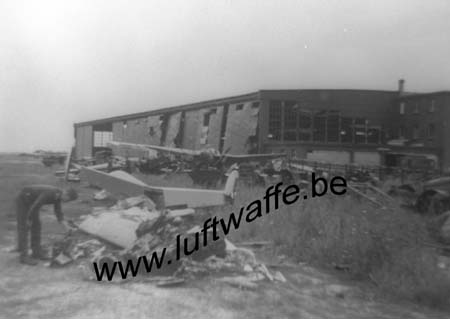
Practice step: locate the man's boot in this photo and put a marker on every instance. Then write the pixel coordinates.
(40, 255)
(27, 260)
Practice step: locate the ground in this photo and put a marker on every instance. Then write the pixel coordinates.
(42, 292)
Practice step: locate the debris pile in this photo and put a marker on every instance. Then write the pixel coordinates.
(133, 228)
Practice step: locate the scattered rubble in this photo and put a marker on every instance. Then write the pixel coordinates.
(133, 227)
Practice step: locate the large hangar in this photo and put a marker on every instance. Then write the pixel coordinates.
(338, 126)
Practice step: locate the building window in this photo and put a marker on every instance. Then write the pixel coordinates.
(373, 134)
(346, 130)
(333, 126)
(151, 131)
(432, 106)
(415, 132)
(401, 132)
(416, 108)
(255, 105)
(275, 120)
(305, 125)
(239, 107)
(101, 138)
(402, 107)
(360, 130)
(431, 131)
(206, 118)
(320, 126)
(290, 121)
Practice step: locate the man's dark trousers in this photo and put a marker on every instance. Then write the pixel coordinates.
(25, 221)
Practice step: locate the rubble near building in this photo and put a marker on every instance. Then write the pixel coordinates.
(150, 221)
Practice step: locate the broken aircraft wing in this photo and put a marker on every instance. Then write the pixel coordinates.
(122, 183)
(188, 152)
(252, 157)
(163, 149)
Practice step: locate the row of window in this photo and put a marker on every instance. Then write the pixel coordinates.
(416, 132)
(415, 107)
(289, 122)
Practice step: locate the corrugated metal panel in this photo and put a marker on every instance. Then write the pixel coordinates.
(192, 129)
(215, 120)
(83, 143)
(241, 124)
(172, 129)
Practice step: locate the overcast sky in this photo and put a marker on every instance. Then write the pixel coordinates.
(69, 61)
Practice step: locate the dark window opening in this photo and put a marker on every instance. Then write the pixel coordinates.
(290, 121)
(255, 105)
(304, 136)
(415, 132)
(402, 107)
(320, 127)
(290, 135)
(275, 120)
(239, 107)
(360, 132)
(305, 120)
(432, 106)
(206, 118)
(373, 135)
(431, 131)
(333, 126)
(346, 130)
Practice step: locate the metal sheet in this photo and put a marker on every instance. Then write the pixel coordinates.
(241, 124)
(111, 227)
(172, 129)
(120, 182)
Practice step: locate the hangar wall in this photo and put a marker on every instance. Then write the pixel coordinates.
(83, 141)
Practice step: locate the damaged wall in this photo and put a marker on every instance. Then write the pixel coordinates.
(83, 141)
(202, 128)
(242, 123)
(173, 127)
(212, 139)
(192, 126)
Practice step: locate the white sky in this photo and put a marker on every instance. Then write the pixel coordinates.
(69, 61)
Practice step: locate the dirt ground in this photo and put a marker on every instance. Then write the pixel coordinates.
(42, 292)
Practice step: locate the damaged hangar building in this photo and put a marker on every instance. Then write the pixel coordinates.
(340, 126)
